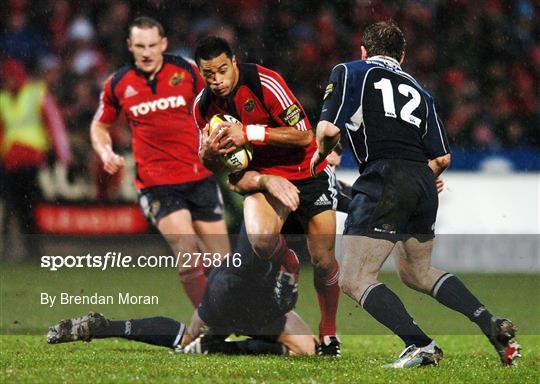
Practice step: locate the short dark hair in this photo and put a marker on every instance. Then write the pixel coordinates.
(211, 47)
(145, 22)
(384, 38)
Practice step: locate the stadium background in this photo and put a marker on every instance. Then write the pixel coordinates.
(480, 59)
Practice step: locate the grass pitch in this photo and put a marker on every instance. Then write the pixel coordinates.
(25, 356)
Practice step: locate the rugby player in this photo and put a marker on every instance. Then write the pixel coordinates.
(401, 147)
(274, 122)
(255, 299)
(176, 192)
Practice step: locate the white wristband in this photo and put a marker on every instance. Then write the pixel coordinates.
(256, 132)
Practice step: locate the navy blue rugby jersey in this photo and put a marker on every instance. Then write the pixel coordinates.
(384, 111)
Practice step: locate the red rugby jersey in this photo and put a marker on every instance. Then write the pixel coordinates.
(262, 97)
(165, 139)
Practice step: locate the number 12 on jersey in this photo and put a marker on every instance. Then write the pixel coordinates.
(385, 86)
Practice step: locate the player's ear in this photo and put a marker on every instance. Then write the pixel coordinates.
(164, 44)
(233, 60)
(129, 44)
(402, 58)
(364, 52)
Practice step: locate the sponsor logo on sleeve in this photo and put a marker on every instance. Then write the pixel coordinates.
(249, 105)
(176, 79)
(328, 91)
(292, 115)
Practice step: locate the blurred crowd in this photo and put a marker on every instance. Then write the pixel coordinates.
(480, 58)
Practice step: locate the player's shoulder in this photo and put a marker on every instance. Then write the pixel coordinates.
(267, 72)
(114, 80)
(348, 68)
(352, 65)
(120, 73)
(179, 62)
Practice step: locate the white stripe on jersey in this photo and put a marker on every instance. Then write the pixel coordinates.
(344, 89)
(278, 91)
(199, 129)
(276, 94)
(440, 130)
(361, 103)
(195, 102)
(331, 186)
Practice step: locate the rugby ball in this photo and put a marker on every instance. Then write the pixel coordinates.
(238, 159)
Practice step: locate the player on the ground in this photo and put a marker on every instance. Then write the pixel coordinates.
(254, 299)
(401, 146)
(177, 194)
(274, 122)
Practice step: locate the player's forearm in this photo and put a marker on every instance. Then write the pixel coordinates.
(250, 181)
(288, 137)
(101, 138)
(327, 137)
(439, 164)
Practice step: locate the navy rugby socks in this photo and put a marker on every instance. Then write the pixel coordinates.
(387, 309)
(452, 293)
(161, 331)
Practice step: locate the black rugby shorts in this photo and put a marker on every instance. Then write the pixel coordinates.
(393, 199)
(202, 198)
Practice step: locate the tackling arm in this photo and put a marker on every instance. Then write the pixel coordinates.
(277, 186)
(439, 164)
(328, 136)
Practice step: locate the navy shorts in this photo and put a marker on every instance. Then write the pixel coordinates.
(202, 198)
(393, 199)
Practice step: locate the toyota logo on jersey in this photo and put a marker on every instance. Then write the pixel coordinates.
(161, 104)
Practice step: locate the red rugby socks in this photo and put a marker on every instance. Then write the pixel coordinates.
(327, 287)
(194, 282)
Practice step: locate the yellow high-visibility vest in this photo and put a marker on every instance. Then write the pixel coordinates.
(22, 119)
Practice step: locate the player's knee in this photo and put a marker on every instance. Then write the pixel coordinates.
(325, 262)
(264, 245)
(355, 285)
(348, 285)
(416, 280)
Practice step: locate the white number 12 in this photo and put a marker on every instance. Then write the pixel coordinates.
(389, 105)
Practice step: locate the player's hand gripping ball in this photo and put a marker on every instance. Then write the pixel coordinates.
(238, 159)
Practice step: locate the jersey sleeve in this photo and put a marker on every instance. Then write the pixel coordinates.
(434, 139)
(333, 109)
(199, 82)
(108, 109)
(199, 119)
(281, 102)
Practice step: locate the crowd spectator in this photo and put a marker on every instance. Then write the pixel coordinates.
(481, 58)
